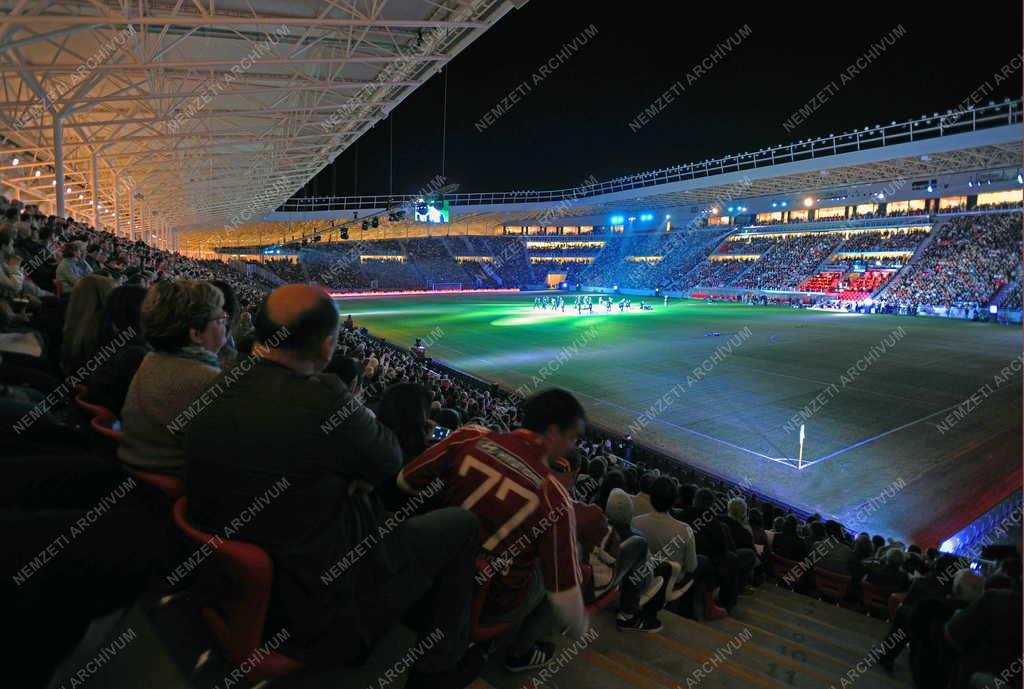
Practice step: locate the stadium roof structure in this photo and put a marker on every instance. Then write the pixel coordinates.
(202, 111)
(933, 156)
(966, 140)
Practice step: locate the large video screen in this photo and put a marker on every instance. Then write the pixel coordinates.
(432, 211)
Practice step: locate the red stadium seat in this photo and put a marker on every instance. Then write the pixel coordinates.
(104, 425)
(895, 601)
(875, 599)
(600, 602)
(479, 631)
(240, 630)
(482, 632)
(171, 486)
(831, 585)
(788, 571)
(92, 410)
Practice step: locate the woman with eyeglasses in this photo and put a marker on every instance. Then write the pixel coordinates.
(186, 325)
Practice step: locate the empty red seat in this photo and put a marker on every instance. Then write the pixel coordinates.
(831, 585)
(239, 629)
(823, 282)
(876, 599)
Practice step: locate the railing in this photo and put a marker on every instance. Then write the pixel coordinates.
(929, 127)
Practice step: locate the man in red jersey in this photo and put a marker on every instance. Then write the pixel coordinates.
(527, 524)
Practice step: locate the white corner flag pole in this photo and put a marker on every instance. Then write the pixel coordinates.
(800, 459)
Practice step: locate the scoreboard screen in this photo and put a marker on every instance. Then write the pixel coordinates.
(431, 211)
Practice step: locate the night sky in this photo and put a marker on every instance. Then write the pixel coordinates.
(575, 122)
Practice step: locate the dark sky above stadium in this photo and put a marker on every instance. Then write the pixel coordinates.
(574, 122)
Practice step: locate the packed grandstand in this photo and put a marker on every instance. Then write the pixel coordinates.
(969, 260)
(214, 479)
(71, 293)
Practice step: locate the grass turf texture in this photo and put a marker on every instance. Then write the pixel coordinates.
(881, 453)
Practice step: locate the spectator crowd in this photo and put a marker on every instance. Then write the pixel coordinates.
(207, 387)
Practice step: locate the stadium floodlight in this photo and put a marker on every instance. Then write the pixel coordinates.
(714, 210)
(1020, 179)
(808, 202)
(669, 217)
(949, 545)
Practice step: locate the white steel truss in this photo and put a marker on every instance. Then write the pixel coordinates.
(206, 113)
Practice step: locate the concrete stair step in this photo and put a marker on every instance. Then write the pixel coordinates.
(794, 668)
(820, 652)
(823, 625)
(797, 629)
(853, 620)
(582, 664)
(676, 658)
(827, 645)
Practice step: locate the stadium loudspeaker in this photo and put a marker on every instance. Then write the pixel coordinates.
(121, 650)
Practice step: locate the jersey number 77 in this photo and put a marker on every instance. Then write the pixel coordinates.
(501, 487)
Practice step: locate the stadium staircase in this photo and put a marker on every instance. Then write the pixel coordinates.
(488, 269)
(997, 300)
(918, 253)
(258, 270)
(775, 639)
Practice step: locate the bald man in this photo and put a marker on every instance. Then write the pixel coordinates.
(282, 455)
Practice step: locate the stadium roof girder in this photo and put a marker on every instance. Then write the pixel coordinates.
(115, 84)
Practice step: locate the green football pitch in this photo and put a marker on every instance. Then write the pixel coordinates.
(912, 425)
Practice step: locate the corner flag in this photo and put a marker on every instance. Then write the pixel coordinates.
(800, 460)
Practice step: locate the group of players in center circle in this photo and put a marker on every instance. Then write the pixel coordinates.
(586, 303)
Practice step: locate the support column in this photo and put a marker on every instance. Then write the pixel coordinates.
(117, 208)
(131, 214)
(95, 193)
(58, 164)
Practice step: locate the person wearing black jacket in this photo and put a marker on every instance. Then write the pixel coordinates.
(745, 554)
(285, 457)
(713, 542)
